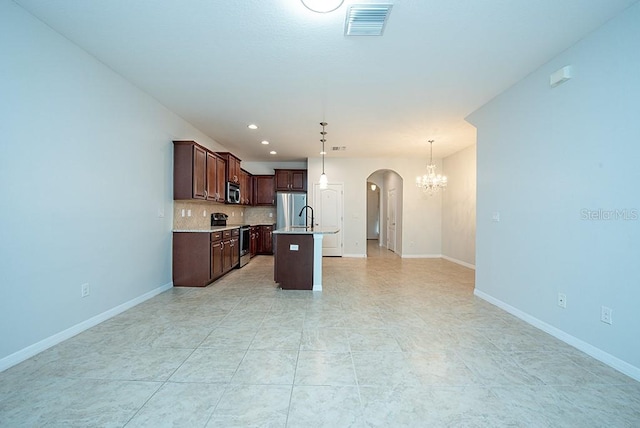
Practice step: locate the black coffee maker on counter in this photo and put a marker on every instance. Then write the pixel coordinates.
(219, 219)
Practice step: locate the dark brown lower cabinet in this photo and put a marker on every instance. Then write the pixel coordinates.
(217, 270)
(191, 259)
(200, 258)
(293, 268)
(265, 241)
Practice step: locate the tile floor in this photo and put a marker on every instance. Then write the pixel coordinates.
(388, 343)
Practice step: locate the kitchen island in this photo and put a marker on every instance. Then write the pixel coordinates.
(298, 257)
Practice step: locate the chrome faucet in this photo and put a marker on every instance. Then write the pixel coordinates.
(305, 219)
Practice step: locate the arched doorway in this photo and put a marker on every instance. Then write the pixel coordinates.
(384, 213)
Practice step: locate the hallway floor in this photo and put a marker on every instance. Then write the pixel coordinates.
(388, 343)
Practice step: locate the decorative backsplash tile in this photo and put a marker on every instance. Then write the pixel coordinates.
(260, 215)
(200, 214)
(200, 217)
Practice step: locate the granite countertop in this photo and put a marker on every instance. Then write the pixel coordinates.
(302, 230)
(219, 228)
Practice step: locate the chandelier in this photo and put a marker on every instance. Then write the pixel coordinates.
(324, 181)
(431, 182)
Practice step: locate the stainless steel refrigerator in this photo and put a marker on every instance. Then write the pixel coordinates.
(288, 206)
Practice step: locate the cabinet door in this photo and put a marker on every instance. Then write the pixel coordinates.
(236, 170)
(221, 172)
(264, 193)
(212, 171)
(191, 259)
(217, 268)
(253, 243)
(248, 192)
(235, 252)
(283, 183)
(266, 239)
(199, 173)
(226, 255)
(299, 180)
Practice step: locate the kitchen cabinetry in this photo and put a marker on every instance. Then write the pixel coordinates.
(197, 172)
(221, 177)
(200, 257)
(293, 264)
(246, 188)
(265, 240)
(264, 194)
(192, 259)
(189, 170)
(230, 250)
(217, 269)
(291, 180)
(254, 235)
(233, 166)
(215, 178)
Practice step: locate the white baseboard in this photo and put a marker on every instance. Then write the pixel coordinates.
(357, 256)
(459, 262)
(36, 348)
(597, 353)
(421, 256)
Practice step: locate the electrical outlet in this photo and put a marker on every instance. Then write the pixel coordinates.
(182, 213)
(84, 290)
(188, 213)
(562, 300)
(204, 213)
(606, 315)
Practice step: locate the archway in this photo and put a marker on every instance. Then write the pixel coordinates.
(384, 213)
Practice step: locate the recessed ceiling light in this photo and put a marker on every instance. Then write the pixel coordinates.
(252, 126)
(322, 6)
(273, 152)
(323, 153)
(265, 142)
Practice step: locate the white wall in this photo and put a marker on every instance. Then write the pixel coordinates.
(85, 169)
(459, 207)
(549, 159)
(421, 214)
(267, 168)
(373, 212)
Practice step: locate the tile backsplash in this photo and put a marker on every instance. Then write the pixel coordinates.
(201, 214)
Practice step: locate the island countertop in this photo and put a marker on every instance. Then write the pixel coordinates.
(301, 230)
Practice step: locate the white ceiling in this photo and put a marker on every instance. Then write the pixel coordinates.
(224, 64)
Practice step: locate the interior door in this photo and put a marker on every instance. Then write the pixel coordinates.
(328, 213)
(391, 220)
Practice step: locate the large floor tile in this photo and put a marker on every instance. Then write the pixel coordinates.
(325, 406)
(188, 405)
(252, 406)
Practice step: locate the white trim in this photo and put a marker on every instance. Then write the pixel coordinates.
(460, 262)
(597, 353)
(36, 348)
(421, 256)
(357, 256)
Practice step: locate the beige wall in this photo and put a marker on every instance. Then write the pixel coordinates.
(459, 207)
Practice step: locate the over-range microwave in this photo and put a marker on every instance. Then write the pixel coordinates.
(233, 193)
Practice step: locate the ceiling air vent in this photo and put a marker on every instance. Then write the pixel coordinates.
(366, 19)
(338, 148)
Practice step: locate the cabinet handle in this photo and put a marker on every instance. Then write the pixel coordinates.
(205, 194)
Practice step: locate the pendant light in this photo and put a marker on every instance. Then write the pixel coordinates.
(324, 181)
(431, 182)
